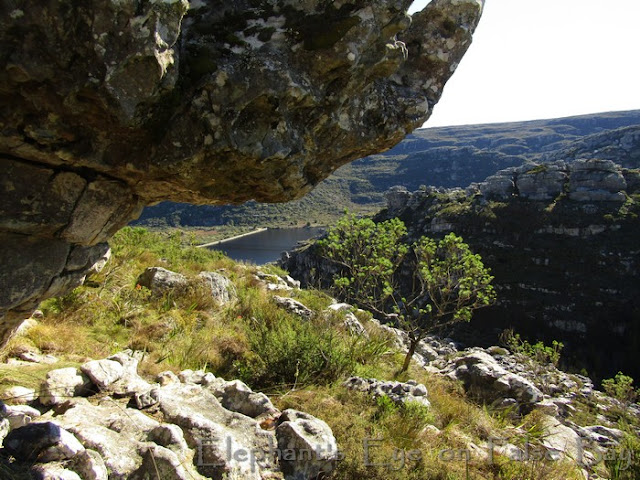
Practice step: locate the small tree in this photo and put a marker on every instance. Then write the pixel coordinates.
(367, 254)
(450, 282)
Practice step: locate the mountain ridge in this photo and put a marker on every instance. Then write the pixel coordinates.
(438, 156)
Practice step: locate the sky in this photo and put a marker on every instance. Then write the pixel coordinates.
(545, 59)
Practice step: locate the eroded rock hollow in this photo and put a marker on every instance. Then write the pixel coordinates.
(112, 105)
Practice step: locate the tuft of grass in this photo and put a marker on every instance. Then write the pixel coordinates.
(382, 441)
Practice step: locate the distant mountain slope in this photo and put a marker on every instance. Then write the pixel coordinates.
(445, 157)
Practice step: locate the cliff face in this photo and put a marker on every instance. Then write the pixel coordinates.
(109, 106)
(562, 242)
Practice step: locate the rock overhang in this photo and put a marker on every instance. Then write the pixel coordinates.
(110, 106)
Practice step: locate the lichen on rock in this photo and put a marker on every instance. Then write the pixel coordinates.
(110, 106)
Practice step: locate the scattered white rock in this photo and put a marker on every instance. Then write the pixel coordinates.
(18, 395)
(399, 392)
(293, 306)
(300, 432)
(36, 357)
(62, 384)
(103, 372)
(20, 415)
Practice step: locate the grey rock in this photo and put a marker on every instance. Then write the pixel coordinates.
(18, 395)
(153, 106)
(20, 415)
(221, 287)
(147, 399)
(52, 471)
(561, 441)
(309, 441)
(62, 384)
(398, 392)
(291, 282)
(351, 322)
(293, 306)
(238, 397)
(161, 281)
(103, 372)
(604, 436)
(90, 466)
(160, 462)
(171, 437)
(165, 378)
(485, 377)
(45, 442)
(213, 431)
(36, 357)
(26, 325)
(541, 182)
(501, 185)
(397, 198)
(189, 376)
(594, 180)
(5, 428)
(549, 407)
(130, 382)
(111, 429)
(354, 326)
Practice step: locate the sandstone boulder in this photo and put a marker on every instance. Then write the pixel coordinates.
(18, 395)
(62, 384)
(161, 281)
(222, 290)
(307, 446)
(44, 442)
(293, 306)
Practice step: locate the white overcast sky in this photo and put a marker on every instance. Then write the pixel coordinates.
(533, 59)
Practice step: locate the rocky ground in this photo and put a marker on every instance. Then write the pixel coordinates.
(103, 420)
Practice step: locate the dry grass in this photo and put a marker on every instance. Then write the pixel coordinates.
(190, 331)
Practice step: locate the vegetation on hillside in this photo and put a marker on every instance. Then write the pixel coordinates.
(448, 282)
(299, 363)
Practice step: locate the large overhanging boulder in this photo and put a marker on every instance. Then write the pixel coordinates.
(112, 105)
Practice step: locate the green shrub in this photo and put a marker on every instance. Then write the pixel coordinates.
(620, 387)
(623, 462)
(538, 351)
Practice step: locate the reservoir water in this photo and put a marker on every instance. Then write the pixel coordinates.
(266, 246)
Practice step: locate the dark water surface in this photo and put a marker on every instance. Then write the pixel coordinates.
(267, 246)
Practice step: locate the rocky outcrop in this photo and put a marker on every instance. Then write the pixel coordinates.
(111, 106)
(558, 238)
(560, 241)
(481, 374)
(398, 392)
(195, 426)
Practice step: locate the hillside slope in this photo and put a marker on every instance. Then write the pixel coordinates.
(443, 157)
(475, 413)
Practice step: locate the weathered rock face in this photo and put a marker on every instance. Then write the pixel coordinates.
(195, 426)
(111, 106)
